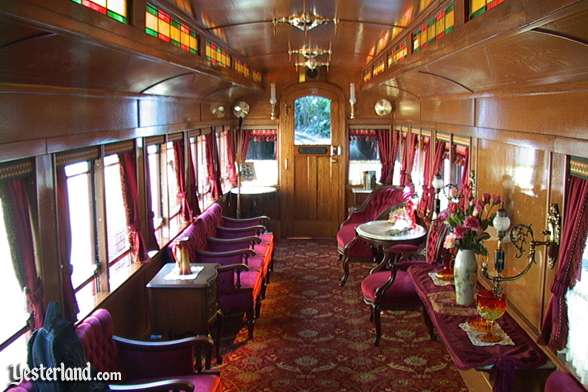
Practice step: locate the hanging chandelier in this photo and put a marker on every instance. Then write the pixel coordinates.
(304, 21)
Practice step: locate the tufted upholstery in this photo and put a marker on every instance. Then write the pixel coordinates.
(400, 295)
(559, 381)
(95, 333)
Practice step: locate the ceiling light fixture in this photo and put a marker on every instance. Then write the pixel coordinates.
(304, 21)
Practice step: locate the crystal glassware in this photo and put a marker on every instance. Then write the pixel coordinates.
(491, 307)
(446, 273)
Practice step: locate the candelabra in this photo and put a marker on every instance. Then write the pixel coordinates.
(273, 100)
(437, 185)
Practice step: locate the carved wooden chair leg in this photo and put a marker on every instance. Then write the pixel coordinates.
(219, 336)
(377, 324)
(345, 276)
(257, 308)
(250, 322)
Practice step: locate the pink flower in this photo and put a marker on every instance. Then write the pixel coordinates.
(459, 232)
(486, 198)
(453, 192)
(443, 215)
(472, 222)
(497, 199)
(449, 242)
(452, 208)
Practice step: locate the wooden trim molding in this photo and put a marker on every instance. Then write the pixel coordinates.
(69, 157)
(579, 167)
(115, 148)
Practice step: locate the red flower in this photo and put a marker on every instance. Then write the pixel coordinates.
(459, 232)
(497, 199)
(471, 223)
(452, 208)
(486, 198)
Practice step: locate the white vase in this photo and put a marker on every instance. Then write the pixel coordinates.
(465, 277)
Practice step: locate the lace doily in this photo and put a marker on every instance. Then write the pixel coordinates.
(475, 336)
(439, 282)
(443, 302)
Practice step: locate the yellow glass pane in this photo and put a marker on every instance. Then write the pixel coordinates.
(163, 28)
(185, 38)
(431, 31)
(175, 33)
(101, 3)
(440, 27)
(423, 38)
(193, 43)
(118, 6)
(151, 21)
(449, 19)
(476, 5)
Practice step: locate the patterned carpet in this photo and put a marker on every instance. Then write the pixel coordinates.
(316, 336)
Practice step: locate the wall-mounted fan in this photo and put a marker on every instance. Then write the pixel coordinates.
(241, 109)
(383, 107)
(218, 111)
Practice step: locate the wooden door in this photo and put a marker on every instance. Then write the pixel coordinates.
(312, 168)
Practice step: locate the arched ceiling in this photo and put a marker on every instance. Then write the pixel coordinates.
(246, 26)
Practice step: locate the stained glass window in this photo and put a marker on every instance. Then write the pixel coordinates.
(256, 76)
(479, 7)
(416, 40)
(431, 30)
(116, 9)
(423, 36)
(440, 24)
(400, 52)
(169, 28)
(449, 18)
(367, 75)
(242, 68)
(379, 68)
(216, 55)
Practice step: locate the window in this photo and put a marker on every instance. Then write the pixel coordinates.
(312, 119)
(119, 255)
(576, 351)
(80, 190)
(363, 156)
(116, 9)
(173, 204)
(13, 329)
(262, 154)
(446, 174)
(169, 28)
(417, 171)
(154, 165)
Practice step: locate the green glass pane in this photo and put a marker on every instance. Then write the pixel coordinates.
(151, 32)
(152, 10)
(193, 51)
(77, 1)
(312, 119)
(117, 17)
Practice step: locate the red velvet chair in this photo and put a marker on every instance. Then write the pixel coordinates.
(389, 287)
(559, 381)
(145, 366)
(351, 248)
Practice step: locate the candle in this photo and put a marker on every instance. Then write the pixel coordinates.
(352, 92)
(273, 99)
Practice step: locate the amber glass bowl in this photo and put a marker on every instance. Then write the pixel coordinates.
(491, 307)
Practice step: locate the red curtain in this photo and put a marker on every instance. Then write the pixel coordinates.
(571, 247)
(427, 178)
(128, 169)
(185, 208)
(16, 208)
(231, 157)
(408, 156)
(192, 189)
(212, 162)
(386, 157)
(151, 240)
(70, 304)
(243, 139)
(464, 181)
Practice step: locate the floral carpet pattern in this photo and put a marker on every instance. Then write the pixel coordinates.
(316, 336)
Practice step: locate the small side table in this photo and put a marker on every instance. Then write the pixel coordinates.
(251, 197)
(180, 308)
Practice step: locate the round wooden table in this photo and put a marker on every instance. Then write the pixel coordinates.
(380, 234)
(251, 197)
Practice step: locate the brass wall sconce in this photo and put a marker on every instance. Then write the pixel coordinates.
(273, 100)
(520, 235)
(352, 100)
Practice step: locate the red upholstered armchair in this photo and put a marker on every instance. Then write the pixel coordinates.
(147, 362)
(559, 381)
(354, 249)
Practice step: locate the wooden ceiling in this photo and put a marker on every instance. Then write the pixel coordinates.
(246, 26)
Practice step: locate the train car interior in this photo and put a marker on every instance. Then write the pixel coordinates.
(294, 195)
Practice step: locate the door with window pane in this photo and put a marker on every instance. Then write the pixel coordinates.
(312, 167)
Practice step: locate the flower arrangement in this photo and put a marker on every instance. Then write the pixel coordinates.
(468, 221)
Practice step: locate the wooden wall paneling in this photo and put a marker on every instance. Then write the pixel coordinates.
(61, 115)
(49, 262)
(554, 113)
(154, 111)
(520, 175)
(18, 150)
(458, 111)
